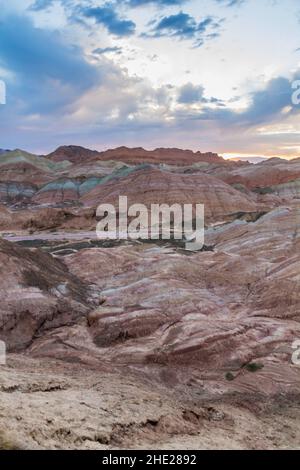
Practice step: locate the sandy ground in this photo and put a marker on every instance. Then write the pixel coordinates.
(53, 405)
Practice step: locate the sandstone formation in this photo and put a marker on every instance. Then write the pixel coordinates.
(274, 176)
(212, 312)
(120, 343)
(71, 153)
(36, 292)
(155, 186)
(134, 156)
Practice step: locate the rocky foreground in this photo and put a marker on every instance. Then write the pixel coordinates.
(143, 344)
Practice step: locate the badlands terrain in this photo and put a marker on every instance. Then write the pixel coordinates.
(139, 344)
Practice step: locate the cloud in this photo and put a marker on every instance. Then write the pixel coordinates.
(46, 73)
(39, 5)
(107, 16)
(184, 26)
(231, 3)
(107, 50)
(55, 96)
(137, 3)
(181, 25)
(169, 3)
(124, 110)
(269, 103)
(190, 93)
(265, 106)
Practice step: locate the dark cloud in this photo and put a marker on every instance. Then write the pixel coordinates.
(39, 5)
(184, 26)
(268, 103)
(105, 15)
(181, 25)
(194, 94)
(108, 17)
(43, 4)
(137, 3)
(231, 3)
(105, 50)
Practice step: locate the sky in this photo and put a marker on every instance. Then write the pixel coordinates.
(209, 75)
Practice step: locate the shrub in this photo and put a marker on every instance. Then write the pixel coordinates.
(254, 366)
(229, 376)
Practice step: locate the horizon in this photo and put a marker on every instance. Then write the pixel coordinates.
(151, 73)
(227, 156)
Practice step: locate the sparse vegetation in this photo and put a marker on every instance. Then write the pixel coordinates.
(254, 366)
(265, 190)
(6, 443)
(229, 376)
